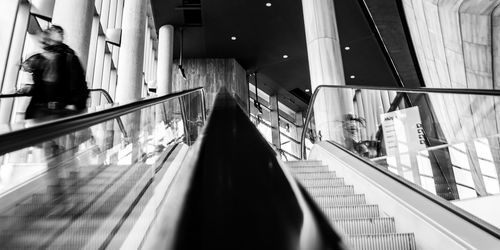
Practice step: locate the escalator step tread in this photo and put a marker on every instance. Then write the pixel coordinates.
(329, 182)
(314, 175)
(324, 191)
(339, 200)
(366, 225)
(303, 163)
(352, 211)
(398, 241)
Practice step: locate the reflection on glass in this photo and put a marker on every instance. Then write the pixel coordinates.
(84, 180)
(448, 144)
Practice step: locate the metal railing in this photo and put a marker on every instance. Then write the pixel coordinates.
(487, 92)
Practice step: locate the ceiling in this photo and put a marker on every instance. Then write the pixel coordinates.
(264, 34)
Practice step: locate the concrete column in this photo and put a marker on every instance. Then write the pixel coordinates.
(14, 59)
(165, 58)
(8, 14)
(325, 67)
(275, 120)
(75, 16)
(131, 51)
(323, 45)
(130, 66)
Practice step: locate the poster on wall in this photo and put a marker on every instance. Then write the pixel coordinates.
(403, 131)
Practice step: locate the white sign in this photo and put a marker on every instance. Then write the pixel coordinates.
(403, 131)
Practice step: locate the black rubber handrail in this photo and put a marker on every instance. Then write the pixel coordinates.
(233, 193)
(34, 135)
(486, 92)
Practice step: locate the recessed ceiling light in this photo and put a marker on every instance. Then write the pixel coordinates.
(347, 48)
(269, 4)
(233, 38)
(352, 76)
(285, 56)
(308, 90)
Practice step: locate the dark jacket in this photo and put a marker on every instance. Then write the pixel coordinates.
(58, 79)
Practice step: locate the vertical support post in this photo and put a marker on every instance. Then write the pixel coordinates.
(165, 60)
(130, 66)
(299, 122)
(275, 120)
(325, 67)
(11, 74)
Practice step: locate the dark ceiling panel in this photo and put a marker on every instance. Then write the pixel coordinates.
(264, 34)
(390, 21)
(365, 59)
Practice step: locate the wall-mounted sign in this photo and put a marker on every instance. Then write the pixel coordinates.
(403, 131)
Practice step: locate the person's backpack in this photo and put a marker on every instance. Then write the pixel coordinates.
(77, 86)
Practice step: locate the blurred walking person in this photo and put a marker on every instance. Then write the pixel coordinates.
(59, 90)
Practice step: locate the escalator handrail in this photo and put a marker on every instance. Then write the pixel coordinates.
(37, 134)
(486, 92)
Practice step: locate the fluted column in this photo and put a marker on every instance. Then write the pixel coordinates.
(325, 67)
(131, 51)
(323, 45)
(75, 16)
(165, 60)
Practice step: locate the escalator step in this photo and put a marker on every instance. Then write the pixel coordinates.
(340, 200)
(309, 169)
(366, 226)
(322, 191)
(314, 175)
(383, 241)
(303, 163)
(327, 182)
(351, 212)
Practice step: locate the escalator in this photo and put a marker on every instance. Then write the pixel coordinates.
(174, 182)
(348, 211)
(418, 154)
(82, 182)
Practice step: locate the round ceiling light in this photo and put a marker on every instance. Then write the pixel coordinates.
(285, 56)
(269, 4)
(233, 38)
(347, 48)
(352, 76)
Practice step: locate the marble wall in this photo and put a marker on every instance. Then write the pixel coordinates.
(212, 73)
